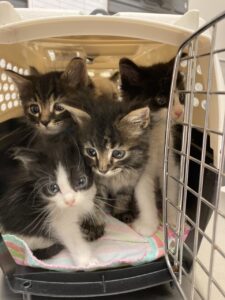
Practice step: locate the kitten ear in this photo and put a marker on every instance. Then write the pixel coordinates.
(75, 74)
(136, 120)
(129, 72)
(25, 155)
(33, 71)
(115, 77)
(23, 84)
(80, 116)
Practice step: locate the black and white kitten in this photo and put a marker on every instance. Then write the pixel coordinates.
(47, 196)
(151, 85)
(114, 138)
(41, 95)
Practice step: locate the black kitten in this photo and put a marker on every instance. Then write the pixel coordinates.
(151, 85)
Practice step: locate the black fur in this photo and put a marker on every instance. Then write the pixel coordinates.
(149, 84)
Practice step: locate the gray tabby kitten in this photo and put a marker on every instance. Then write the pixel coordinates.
(114, 139)
(41, 95)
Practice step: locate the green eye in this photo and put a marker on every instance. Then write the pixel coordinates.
(118, 154)
(58, 108)
(34, 109)
(53, 188)
(91, 152)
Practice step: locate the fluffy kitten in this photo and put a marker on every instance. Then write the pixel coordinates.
(47, 196)
(114, 139)
(41, 95)
(152, 85)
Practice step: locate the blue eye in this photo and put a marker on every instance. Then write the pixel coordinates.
(81, 182)
(34, 109)
(58, 107)
(118, 154)
(91, 152)
(53, 188)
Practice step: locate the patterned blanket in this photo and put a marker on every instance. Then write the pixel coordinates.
(119, 246)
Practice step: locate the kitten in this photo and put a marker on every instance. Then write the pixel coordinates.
(41, 95)
(149, 84)
(114, 139)
(152, 85)
(48, 195)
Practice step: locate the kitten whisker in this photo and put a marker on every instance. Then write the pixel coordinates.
(108, 204)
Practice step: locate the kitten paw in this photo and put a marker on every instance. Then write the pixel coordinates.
(83, 259)
(145, 229)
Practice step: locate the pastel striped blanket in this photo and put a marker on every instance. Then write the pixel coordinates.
(119, 246)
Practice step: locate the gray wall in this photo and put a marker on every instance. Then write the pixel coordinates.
(18, 3)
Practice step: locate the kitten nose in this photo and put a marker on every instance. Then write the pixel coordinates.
(69, 199)
(45, 122)
(178, 113)
(103, 171)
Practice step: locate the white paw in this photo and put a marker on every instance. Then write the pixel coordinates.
(145, 228)
(82, 259)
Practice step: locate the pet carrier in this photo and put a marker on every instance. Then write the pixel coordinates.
(47, 41)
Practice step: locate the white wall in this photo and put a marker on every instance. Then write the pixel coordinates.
(209, 9)
(86, 6)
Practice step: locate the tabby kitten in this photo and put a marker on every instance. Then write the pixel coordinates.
(152, 85)
(114, 138)
(41, 95)
(46, 197)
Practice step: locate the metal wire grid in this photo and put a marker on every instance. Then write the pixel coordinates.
(175, 258)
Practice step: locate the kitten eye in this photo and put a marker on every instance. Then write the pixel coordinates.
(53, 188)
(161, 100)
(34, 109)
(91, 152)
(118, 154)
(58, 108)
(81, 182)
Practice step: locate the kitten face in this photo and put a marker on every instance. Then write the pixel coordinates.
(106, 159)
(41, 95)
(47, 115)
(63, 192)
(62, 180)
(150, 84)
(113, 136)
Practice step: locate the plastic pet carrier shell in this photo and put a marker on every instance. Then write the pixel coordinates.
(47, 40)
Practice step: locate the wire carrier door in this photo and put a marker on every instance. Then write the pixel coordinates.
(197, 263)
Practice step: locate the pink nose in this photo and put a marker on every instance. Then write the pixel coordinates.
(178, 112)
(69, 199)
